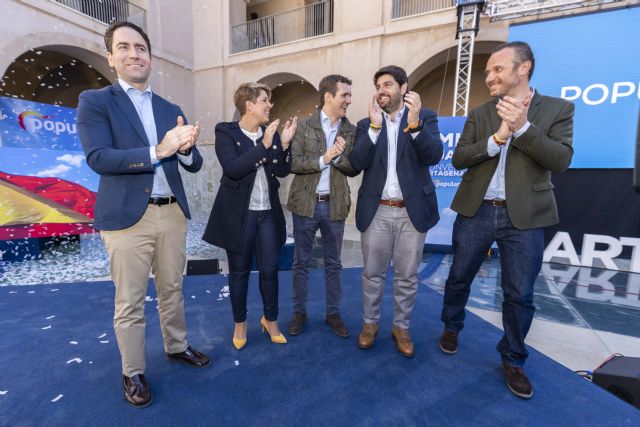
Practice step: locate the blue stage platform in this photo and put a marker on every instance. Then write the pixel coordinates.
(60, 367)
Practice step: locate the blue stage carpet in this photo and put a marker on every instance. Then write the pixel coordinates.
(60, 367)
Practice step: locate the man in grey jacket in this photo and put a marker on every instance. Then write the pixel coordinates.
(319, 197)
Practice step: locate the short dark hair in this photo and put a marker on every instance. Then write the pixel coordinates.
(108, 35)
(249, 92)
(399, 74)
(523, 53)
(330, 84)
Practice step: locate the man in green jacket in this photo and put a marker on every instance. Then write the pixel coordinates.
(509, 146)
(319, 197)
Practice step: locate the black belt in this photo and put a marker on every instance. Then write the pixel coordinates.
(159, 201)
(495, 202)
(323, 197)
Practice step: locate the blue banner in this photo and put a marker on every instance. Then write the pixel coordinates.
(26, 124)
(446, 179)
(592, 60)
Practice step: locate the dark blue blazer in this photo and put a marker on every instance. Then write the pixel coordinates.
(240, 160)
(413, 160)
(117, 148)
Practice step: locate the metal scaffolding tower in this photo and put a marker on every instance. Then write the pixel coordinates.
(497, 10)
(466, 31)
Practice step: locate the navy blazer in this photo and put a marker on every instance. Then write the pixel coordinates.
(117, 148)
(414, 156)
(240, 160)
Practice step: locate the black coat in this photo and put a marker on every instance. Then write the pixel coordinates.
(240, 160)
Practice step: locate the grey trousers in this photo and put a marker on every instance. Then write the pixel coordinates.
(391, 236)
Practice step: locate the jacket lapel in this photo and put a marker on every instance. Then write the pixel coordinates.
(125, 104)
(159, 119)
(402, 137)
(534, 108)
(383, 145)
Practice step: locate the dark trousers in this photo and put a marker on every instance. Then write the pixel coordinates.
(261, 237)
(520, 260)
(304, 232)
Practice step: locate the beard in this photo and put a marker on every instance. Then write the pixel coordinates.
(393, 104)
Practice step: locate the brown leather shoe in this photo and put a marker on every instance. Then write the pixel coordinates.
(367, 337)
(449, 342)
(297, 323)
(136, 390)
(403, 341)
(517, 381)
(337, 325)
(191, 357)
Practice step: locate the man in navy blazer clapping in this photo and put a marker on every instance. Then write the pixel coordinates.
(397, 203)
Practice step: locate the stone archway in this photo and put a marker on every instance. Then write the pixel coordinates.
(434, 79)
(55, 74)
(291, 95)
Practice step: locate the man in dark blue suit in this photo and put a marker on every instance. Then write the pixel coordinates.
(135, 141)
(397, 203)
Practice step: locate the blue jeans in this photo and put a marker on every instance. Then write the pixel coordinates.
(261, 237)
(520, 260)
(304, 232)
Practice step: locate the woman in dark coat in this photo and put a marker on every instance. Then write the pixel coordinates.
(247, 217)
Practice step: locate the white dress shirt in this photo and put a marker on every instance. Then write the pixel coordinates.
(330, 136)
(260, 192)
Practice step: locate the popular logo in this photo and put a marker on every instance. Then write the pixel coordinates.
(32, 121)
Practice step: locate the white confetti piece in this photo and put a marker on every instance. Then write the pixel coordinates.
(13, 292)
(54, 290)
(58, 397)
(50, 317)
(46, 327)
(148, 299)
(31, 292)
(102, 336)
(3, 392)
(76, 360)
(90, 362)
(104, 342)
(237, 362)
(208, 291)
(193, 297)
(73, 342)
(219, 299)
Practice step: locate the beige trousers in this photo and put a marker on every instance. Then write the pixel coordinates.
(155, 243)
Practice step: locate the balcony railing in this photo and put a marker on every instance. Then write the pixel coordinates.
(295, 24)
(108, 11)
(403, 8)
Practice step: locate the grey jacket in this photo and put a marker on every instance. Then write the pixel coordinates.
(308, 144)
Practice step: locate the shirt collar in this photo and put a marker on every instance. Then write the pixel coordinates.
(399, 115)
(126, 87)
(325, 119)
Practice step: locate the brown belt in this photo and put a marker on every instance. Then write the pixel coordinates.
(495, 202)
(392, 203)
(323, 197)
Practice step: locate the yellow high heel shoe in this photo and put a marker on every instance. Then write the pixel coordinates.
(239, 343)
(278, 339)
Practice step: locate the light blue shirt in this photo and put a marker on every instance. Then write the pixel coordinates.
(330, 136)
(496, 186)
(142, 102)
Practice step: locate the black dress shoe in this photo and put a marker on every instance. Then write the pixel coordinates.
(297, 323)
(337, 325)
(136, 390)
(517, 381)
(191, 357)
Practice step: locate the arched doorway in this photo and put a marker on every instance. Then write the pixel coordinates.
(291, 95)
(54, 75)
(435, 79)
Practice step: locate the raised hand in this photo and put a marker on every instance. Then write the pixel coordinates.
(413, 104)
(174, 139)
(184, 148)
(514, 111)
(336, 149)
(287, 133)
(267, 139)
(375, 112)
